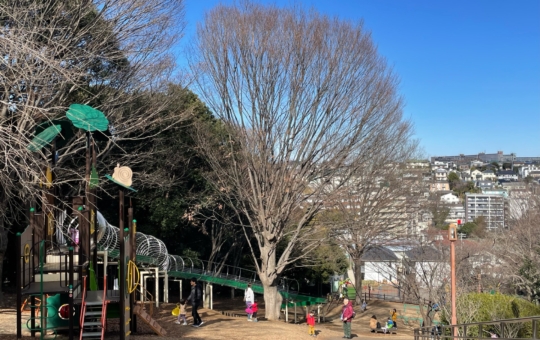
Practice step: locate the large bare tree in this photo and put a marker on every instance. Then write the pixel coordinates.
(305, 99)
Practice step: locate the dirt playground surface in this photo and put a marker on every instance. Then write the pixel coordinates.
(219, 324)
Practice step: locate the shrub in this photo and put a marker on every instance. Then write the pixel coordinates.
(491, 307)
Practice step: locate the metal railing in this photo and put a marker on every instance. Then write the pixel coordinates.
(147, 299)
(30, 266)
(233, 273)
(507, 329)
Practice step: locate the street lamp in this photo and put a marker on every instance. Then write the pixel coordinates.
(452, 237)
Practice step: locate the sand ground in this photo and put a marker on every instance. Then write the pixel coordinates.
(220, 323)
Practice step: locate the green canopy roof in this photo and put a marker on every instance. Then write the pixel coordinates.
(87, 118)
(67, 130)
(44, 138)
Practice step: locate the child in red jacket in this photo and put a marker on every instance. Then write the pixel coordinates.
(311, 323)
(254, 309)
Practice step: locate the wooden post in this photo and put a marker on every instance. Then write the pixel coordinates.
(132, 248)
(32, 316)
(122, 265)
(20, 258)
(211, 296)
(93, 210)
(71, 304)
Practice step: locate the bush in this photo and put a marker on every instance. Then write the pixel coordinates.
(491, 307)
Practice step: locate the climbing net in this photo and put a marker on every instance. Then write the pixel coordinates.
(67, 230)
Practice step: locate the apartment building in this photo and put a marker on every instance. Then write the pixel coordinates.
(490, 206)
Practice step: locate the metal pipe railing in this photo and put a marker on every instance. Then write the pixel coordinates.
(478, 330)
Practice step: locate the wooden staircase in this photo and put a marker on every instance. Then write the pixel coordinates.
(141, 312)
(93, 316)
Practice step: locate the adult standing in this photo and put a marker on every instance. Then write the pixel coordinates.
(249, 297)
(346, 316)
(195, 297)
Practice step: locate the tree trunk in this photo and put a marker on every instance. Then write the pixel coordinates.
(3, 248)
(358, 279)
(270, 280)
(2, 253)
(272, 302)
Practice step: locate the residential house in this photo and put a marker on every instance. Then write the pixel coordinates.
(429, 264)
(485, 185)
(476, 164)
(380, 264)
(496, 191)
(387, 263)
(489, 175)
(524, 171)
(507, 175)
(439, 186)
(476, 175)
(417, 164)
(449, 199)
(456, 212)
(463, 166)
(439, 165)
(514, 186)
(441, 174)
(534, 174)
(466, 177)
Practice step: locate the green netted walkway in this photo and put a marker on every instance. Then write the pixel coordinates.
(300, 300)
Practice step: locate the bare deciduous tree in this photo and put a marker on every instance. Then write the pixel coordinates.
(373, 207)
(106, 53)
(305, 100)
(518, 249)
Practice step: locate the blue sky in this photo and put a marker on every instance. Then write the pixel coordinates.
(469, 70)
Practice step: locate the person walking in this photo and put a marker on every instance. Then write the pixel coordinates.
(346, 316)
(249, 298)
(195, 298)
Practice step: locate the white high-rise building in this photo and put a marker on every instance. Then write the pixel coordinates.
(490, 206)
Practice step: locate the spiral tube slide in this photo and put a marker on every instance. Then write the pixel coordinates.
(147, 245)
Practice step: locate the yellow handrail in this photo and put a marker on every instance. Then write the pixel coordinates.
(132, 268)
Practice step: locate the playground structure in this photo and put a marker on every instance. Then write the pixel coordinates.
(75, 270)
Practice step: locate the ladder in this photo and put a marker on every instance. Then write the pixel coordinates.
(93, 315)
